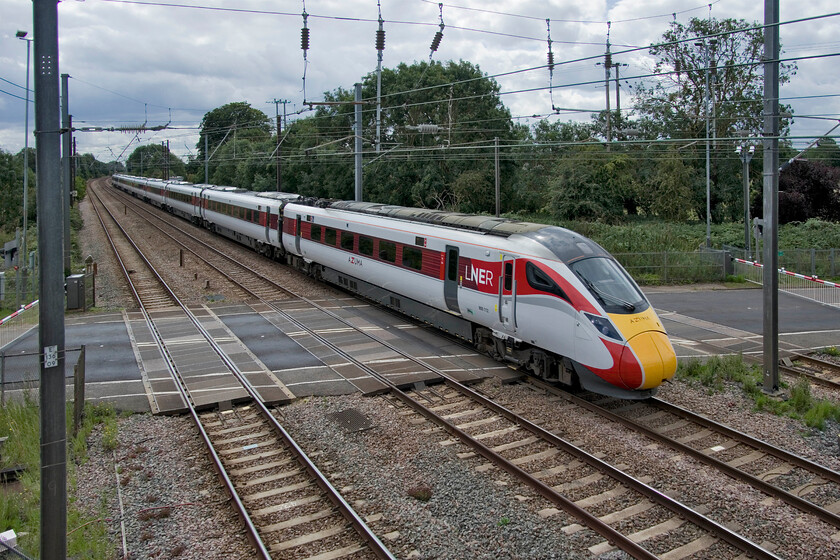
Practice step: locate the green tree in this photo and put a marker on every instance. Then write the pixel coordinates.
(11, 194)
(234, 121)
(593, 184)
(439, 122)
(673, 104)
(151, 160)
(667, 193)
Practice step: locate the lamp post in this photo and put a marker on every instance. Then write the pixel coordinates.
(746, 155)
(22, 36)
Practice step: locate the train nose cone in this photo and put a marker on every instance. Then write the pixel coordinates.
(647, 360)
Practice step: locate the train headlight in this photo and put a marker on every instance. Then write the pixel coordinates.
(604, 326)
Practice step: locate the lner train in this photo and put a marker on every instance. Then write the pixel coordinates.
(542, 297)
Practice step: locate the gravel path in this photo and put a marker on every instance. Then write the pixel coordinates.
(174, 507)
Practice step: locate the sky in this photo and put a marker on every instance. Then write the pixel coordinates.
(140, 61)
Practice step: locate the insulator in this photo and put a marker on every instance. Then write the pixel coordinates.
(380, 39)
(428, 128)
(436, 41)
(550, 60)
(304, 38)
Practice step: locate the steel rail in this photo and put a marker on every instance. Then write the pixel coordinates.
(734, 472)
(793, 370)
(375, 545)
(544, 490)
(250, 528)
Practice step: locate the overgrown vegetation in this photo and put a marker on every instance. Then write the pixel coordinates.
(20, 506)
(799, 404)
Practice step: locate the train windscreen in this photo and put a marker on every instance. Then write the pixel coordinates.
(610, 285)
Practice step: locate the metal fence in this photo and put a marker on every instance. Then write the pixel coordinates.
(18, 287)
(18, 323)
(808, 287)
(669, 267)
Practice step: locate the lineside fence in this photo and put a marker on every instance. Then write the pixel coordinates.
(669, 267)
(808, 287)
(18, 323)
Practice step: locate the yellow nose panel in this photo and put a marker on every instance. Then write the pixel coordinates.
(656, 355)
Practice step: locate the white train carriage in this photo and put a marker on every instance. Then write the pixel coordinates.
(146, 189)
(252, 219)
(183, 199)
(540, 296)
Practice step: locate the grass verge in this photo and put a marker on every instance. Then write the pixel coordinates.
(20, 507)
(799, 404)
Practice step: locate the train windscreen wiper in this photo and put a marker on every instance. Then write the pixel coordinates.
(600, 294)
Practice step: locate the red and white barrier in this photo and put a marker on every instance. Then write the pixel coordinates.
(19, 311)
(808, 287)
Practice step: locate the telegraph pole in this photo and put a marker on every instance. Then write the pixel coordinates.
(51, 283)
(771, 196)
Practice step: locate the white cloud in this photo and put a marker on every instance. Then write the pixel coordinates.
(196, 60)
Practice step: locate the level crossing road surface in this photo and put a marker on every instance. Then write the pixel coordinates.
(700, 321)
(734, 319)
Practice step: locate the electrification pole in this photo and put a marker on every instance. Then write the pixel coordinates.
(771, 196)
(51, 282)
(498, 178)
(358, 143)
(66, 144)
(277, 102)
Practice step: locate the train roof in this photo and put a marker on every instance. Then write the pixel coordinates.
(565, 244)
(483, 224)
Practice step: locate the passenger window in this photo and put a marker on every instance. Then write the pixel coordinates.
(412, 257)
(366, 245)
(388, 251)
(346, 240)
(315, 233)
(329, 236)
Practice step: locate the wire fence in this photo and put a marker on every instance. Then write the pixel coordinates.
(669, 267)
(18, 323)
(17, 287)
(808, 287)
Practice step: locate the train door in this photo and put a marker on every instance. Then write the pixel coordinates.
(507, 294)
(450, 279)
(267, 222)
(297, 234)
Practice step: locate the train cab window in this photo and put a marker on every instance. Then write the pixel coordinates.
(366, 246)
(347, 240)
(388, 251)
(329, 236)
(412, 257)
(538, 279)
(315, 233)
(610, 285)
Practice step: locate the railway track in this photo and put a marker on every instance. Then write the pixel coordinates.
(288, 507)
(821, 372)
(569, 478)
(799, 482)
